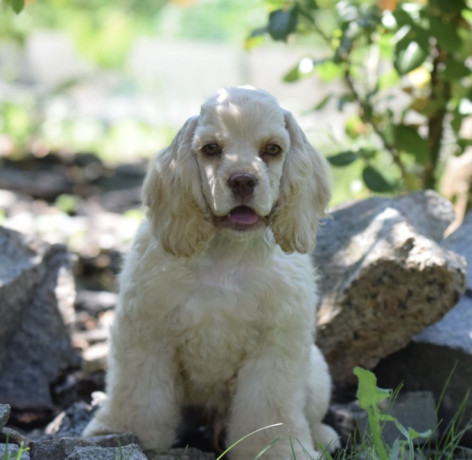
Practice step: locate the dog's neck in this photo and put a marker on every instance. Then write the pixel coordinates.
(227, 246)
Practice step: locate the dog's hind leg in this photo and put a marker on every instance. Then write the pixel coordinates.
(317, 401)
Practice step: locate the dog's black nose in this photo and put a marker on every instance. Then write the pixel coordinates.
(242, 184)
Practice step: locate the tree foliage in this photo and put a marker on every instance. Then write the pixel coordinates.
(406, 65)
(102, 31)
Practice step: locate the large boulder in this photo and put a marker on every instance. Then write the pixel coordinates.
(383, 278)
(36, 310)
(440, 357)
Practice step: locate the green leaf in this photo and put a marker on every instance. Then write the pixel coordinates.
(408, 55)
(425, 106)
(456, 121)
(343, 158)
(454, 70)
(375, 181)
(306, 67)
(446, 35)
(368, 394)
(344, 99)
(388, 79)
(408, 139)
(292, 75)
(448, 6)
(253, 41)
(328, 70)
(403, 17)
(394, 453)
(322, 104)
(282, 23)
(16, 5)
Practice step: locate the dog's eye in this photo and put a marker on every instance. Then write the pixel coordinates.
(272, 150)
(211, 149)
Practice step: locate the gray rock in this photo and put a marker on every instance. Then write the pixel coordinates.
(56, 449)
(96, 301)
(420, 365)
(443, 347)
(113, 446)
(115, 440)
(181, 454)
(454, 330)
(61, 448)
(13, 436)
(4, 414)
(11, 451)
(415, 410)
(72, 421)
(461, 242)
(36, 306)
(130, 452)
(383, 278)
(43, 184)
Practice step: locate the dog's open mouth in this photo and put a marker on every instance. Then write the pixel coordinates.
(243, 215)
(241, 218)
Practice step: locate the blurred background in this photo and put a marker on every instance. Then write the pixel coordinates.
(381, 87)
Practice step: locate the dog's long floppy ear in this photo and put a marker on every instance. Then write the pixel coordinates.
(305, 191)
(172, 194)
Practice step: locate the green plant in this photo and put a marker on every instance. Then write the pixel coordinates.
(8, 456)
(370, 398)
(404, 65)
(15, 5)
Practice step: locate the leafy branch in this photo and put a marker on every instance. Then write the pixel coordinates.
(420, 86)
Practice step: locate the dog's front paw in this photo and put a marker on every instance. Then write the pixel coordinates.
(326, 437)
(97, 428)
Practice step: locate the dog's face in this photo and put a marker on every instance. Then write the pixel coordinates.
(240, 144)
(242, 165)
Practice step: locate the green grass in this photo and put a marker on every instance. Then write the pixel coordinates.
(17, 456)
(410, 444)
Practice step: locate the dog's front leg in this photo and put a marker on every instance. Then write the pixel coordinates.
(143, 391)
(271, 390)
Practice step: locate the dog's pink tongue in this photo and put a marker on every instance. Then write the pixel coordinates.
(243, 216)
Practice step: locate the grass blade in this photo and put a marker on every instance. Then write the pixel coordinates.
(247, 436)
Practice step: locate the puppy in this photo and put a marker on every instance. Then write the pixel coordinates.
(217, 296)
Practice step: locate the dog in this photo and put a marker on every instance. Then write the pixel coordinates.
(217, 303)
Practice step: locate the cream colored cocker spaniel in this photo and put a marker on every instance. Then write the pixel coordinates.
(217, 295)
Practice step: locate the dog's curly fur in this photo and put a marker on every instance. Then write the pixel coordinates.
(217, 296)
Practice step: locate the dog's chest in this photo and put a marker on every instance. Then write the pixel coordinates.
(215, 329)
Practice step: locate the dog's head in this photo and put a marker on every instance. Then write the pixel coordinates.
(240, 166)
